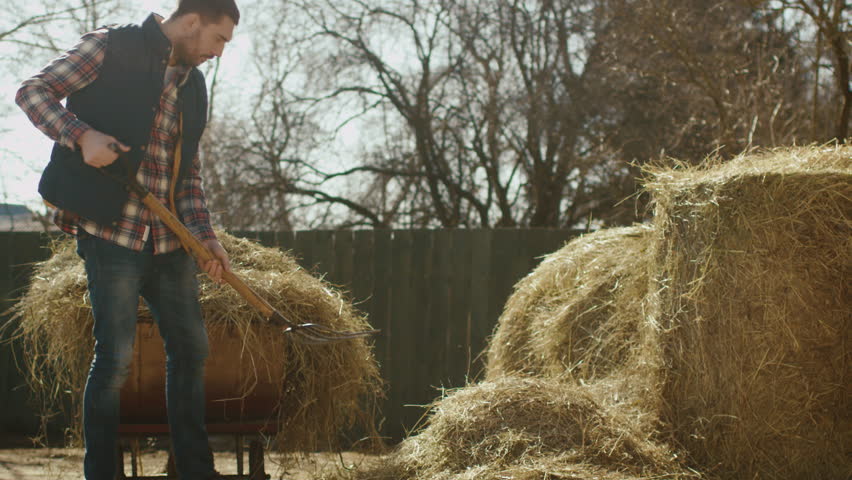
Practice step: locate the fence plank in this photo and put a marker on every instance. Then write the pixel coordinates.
(538, 244)
(506, 246)
(458, 335)
(285, 240)
(343, 259)
(440, 300)
(481, 286)
(323, 253)
(304, 249)
(363, 282)
(267, 239)
(380, 312)
(21, 250)
(424, 323)
(402, 337)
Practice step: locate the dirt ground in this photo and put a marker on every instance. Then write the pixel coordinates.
(22, 462)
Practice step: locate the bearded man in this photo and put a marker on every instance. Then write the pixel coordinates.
(136, 89)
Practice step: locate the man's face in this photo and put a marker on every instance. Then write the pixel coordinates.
(203, 41)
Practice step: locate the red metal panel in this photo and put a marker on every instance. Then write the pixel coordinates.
(230, 371)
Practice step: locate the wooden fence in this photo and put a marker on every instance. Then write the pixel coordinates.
(435, 294)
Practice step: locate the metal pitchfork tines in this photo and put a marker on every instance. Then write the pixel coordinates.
(307, 333)
(314, 333)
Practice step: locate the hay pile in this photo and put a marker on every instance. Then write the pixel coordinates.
(570, 390)
(717, 337)
(579, 317)
(753, 269)
(323, 389)
(524, 429)
(578, 313)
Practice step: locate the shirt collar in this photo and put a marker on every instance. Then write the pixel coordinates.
(161, 43)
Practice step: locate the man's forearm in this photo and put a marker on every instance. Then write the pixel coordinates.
(40, 96)
(191, 203)
(48, 115)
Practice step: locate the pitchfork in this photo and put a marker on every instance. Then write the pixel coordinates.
(308, 333)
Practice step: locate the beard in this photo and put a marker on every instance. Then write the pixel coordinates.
(185, 51)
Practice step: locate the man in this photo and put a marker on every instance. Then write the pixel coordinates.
(136, 88)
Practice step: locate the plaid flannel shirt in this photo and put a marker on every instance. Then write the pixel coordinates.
(40, 96)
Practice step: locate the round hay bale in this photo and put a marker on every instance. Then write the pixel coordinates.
(523, 428)
(754, 260)
(321, 390)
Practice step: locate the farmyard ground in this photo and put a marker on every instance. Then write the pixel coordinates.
(22, 462)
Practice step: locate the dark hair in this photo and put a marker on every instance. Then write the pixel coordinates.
(209, 10)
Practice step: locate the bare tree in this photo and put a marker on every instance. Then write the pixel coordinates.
(491, 102)
(731, 77)
(502, 113)
(16, 24)
(414, 87)
(391, 179)
(553, 49)
(43, 28)
(258, 170)
(832, 19)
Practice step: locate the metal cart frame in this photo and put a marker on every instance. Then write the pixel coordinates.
(131, 433)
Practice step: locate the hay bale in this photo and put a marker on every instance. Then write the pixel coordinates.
(579, 317)
(523, 428)
(729, 318)
(754, 260)
(578, 314)
(572, 380)
(323, 389)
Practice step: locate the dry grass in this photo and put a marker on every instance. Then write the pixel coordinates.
(323, 390)
(753, 274)
(523, 428)
(580, 318)
(718, 335)
(577, 316)
(571, 390)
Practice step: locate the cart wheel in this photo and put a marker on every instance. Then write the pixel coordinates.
(119, 463)
(256, 469)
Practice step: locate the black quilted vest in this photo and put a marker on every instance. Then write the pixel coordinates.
(122, 102)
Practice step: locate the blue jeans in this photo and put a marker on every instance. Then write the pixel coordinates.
(117, 276)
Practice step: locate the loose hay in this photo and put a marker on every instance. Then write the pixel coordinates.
(578, 314)
(572, 384)
(726, 324)
(579, 317)
(324, 389)
(753, 270)
(523, 428)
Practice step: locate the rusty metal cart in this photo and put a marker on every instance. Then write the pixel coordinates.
(143, 406)
(131, 434)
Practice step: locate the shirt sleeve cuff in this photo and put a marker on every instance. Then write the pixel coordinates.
(72, 132)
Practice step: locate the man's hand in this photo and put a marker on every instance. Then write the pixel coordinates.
(214, 268)
(96, 148)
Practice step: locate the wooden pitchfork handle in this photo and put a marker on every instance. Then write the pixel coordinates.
(202, 253)
(305, 333)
